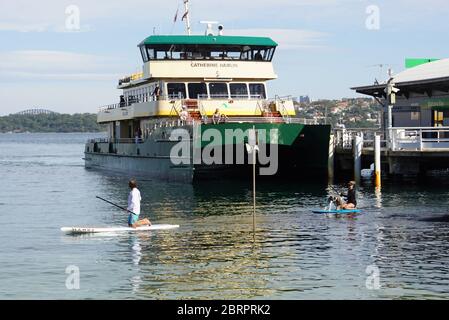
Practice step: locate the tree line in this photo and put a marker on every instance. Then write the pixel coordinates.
(55, 122)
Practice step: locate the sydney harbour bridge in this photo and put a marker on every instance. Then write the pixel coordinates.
(35, 112)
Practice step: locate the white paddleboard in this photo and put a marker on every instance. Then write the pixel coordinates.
(118, 229)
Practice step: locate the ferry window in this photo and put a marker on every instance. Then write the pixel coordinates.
(197, 55)
(247, 54)
(218, 90)
(176, 55)
(238, 90)
(176, 90)
(150, 53)
(174, 52)
(215, 54)
(160, 55)
(197, 89)
(144, 54)
(257, 90)
(270, 54)
(258, 55)
(234, 55)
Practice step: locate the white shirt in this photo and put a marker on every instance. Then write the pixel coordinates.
(134, 199)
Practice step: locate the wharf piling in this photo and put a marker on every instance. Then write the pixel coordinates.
(357, 146)
(377, 162)
(331, 160)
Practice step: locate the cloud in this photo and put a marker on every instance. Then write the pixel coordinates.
(51, 15)
(37, 27)
(57, 65)
(40, 27)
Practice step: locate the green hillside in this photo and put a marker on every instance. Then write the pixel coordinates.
(54, 122)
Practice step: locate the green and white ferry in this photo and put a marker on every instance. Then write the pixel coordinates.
(185, 79)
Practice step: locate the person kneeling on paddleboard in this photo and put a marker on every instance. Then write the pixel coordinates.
(134, 199)
(351, 201)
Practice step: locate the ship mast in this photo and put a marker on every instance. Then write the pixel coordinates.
(187, 16)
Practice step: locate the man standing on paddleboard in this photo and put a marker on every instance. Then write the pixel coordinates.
(134, 199)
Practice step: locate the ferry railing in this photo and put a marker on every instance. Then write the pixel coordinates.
(280, 105)
(229, 97)
(172, 96)
(259, 107)
(253, 120)
(148, 132)
(213, 96)
(127, 102)
(202, 111)
(272, 120)
(116, 105)
(115, 140)
(176, 108)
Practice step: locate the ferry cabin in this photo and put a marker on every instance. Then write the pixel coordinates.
(201, 74)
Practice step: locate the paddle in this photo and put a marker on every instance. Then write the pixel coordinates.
(114, 204)
(335, 190)
(337, 195)
(149, 223)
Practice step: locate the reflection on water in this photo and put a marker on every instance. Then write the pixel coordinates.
(293, 254)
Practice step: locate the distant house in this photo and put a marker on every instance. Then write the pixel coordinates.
(343, 104)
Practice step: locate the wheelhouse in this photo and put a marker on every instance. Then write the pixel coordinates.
(230, 48)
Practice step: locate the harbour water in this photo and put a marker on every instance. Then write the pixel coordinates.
(294, 254)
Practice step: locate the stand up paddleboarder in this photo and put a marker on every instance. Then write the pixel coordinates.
(351, 200)
(134, 199)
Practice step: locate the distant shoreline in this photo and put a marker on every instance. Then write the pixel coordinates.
(50, 123)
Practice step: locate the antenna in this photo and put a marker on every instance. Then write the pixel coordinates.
(381, 66)
(390, 72)
(187, 16)
(209, 31)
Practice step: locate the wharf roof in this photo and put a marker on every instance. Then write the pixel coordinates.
(423, 79)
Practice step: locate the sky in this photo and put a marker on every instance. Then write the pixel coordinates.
(67, 55)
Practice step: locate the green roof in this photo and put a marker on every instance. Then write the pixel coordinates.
(209, 40)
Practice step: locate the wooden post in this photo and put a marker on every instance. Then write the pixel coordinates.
(357, 145)
(377, 162)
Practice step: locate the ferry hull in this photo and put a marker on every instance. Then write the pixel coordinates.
(302, 152)
(138, 166)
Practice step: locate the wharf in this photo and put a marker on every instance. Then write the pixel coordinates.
(407, 151)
